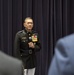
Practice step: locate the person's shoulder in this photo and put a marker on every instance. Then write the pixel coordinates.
(69, 37)
(9, 58)
(19, 32)
(66, 40)
(35, 32)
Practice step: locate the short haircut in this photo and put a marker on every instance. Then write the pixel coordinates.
(27, 18)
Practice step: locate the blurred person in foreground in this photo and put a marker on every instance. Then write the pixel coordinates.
(26, 45)
(10, 65)
(63, 60)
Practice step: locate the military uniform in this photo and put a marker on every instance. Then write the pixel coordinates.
(22, 50)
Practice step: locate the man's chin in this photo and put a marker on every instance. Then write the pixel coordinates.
(29, 29)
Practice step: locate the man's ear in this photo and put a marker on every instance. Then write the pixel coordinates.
(24, 24)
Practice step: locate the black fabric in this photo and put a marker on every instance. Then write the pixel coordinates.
(22, 49)
(53, 19)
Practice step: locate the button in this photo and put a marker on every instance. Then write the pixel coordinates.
(30, 51)
(30, 38)
(29, 34)
(21, 54)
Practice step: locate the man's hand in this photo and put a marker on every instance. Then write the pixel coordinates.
(31, 45)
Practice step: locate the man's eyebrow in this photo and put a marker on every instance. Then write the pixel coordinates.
(30, 22)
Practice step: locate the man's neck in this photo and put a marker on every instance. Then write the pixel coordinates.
(28, 30)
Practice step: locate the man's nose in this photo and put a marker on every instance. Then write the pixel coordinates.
(30, 24)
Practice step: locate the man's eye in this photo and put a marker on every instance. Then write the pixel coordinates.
(30, 23)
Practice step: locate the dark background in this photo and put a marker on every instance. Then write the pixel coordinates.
(53, 19)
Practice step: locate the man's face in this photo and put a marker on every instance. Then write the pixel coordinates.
(28, 24)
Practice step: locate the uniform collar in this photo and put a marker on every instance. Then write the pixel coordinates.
(27, 31)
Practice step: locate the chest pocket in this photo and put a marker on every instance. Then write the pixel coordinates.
(24, 39)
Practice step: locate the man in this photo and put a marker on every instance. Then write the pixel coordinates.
(63, 60)
(26, 45)
(9, 65)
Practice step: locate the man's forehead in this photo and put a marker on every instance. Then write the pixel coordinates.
(28, 20)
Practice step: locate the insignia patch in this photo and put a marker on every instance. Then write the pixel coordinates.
(34, 38)
(23, 37)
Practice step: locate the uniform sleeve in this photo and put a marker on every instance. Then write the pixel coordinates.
(17, 46)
